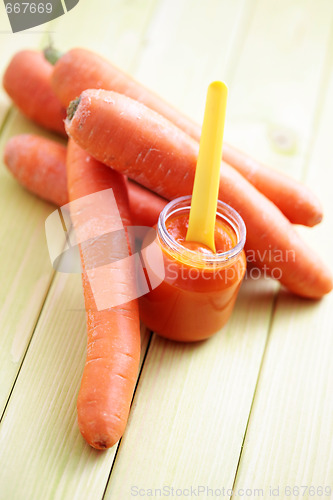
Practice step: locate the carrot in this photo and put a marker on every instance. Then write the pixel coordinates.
(81, 69)
(27, 82)
(163, 158)
(39, 164)
(113, 349)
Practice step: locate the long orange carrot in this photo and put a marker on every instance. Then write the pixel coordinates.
(81, 69)
(27, 82)
(163, 158)
(295, 200)
(39, 164)
(31, 91)
(113, 350)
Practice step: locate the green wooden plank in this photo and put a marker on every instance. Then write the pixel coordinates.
(25, 266)
(291, 427)
(114, 29)
(42, 453)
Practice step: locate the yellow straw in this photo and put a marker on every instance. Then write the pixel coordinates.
(202, 219)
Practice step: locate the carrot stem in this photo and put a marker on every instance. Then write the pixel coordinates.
(52, 55)
(73, 105)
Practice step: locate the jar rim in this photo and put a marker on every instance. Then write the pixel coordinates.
(224, 211)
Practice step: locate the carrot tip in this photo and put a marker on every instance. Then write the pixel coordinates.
(315, 220)
(100, 445)
(73, 107)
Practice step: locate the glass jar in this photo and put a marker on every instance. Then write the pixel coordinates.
(199, 289)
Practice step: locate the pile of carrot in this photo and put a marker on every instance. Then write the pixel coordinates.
(124, 137)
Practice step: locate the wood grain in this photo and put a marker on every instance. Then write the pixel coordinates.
(25, 267)
(41, 422)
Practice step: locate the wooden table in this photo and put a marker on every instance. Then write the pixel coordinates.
(250, 410)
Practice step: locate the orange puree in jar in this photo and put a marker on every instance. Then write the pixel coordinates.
(200, 287)
(225, 237)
